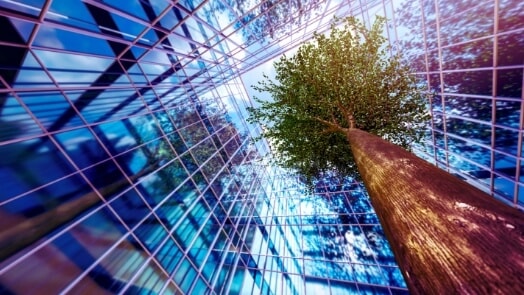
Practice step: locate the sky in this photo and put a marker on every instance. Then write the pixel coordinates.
(255, 75)
(252, 77)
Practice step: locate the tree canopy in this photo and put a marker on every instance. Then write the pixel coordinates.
(346, 79)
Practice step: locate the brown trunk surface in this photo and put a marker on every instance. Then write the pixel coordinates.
(448, 237)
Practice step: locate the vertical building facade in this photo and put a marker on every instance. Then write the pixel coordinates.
(470, 57)
(127, 166)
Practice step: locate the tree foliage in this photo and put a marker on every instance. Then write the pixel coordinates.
(344, 80)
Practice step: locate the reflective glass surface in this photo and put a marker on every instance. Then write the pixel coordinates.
(127, 166)
(468, 52)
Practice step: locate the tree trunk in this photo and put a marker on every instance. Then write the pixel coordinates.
(448, 237)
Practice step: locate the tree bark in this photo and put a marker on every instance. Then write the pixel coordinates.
(448, 236)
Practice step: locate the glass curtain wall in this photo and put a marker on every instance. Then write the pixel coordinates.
(470, 57)
(126, 164)
(127, 167)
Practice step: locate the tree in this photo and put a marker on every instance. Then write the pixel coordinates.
(341, 81)
(447, 236)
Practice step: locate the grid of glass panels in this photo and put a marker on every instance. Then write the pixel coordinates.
(126, 160)
(126, 165)
(328, 242)
(470, 55)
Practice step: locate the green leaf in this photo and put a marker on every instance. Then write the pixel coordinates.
(348, 75)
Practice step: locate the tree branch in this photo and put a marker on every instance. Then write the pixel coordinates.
(347, 114)
(330, 130)
(351, 121)
(332, 126)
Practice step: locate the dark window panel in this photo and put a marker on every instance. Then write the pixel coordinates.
(130, 208)
(151, 233)
(14, 31)
(11, 60)
(509, 83)
(15, 122)
(508, 113)
(477, 54)
(475, 108)
(511, 14)
(470, 130)
(24, 168)
(511, 49)
(471, 82)
(465, 20)
(506, 140)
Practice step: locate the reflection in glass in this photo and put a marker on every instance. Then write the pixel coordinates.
(130, 208)
(82, 147)
(30, 164)
(468, 129)
(471, 82)
(504, 186)
(469, 150)
(511, 49)
(509, 83)
(477, 54)
(475, 108)
(186, 198)
(15, 122)
(508, 113)
(464, 20)
(511, 14)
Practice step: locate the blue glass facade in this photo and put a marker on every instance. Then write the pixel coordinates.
(126, 164)
(470, 56)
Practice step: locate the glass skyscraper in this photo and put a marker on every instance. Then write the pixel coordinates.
(127, 165)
